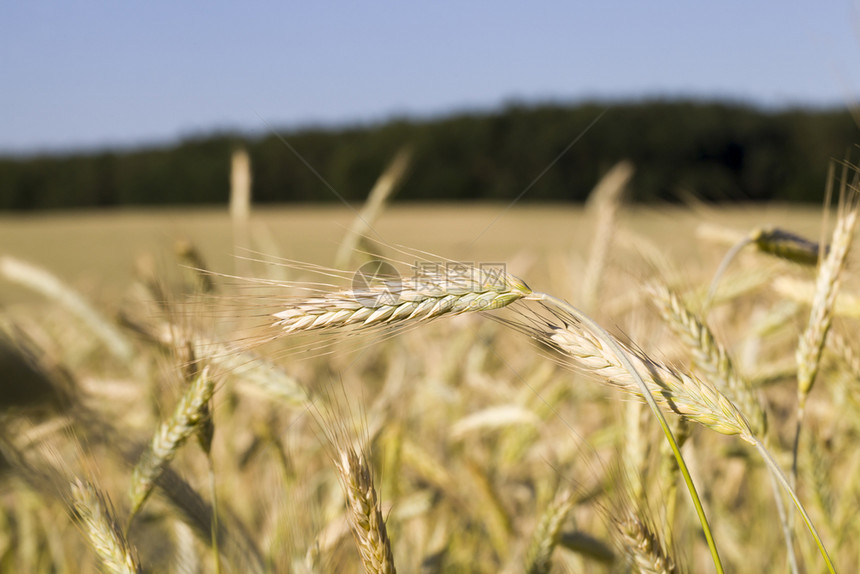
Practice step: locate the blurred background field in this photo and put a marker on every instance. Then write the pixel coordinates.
(96, 251)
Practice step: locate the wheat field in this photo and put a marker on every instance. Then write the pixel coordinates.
(187, 393)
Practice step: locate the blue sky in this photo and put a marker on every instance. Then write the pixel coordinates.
(96, 74)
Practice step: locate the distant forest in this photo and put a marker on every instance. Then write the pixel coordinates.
(716, 151)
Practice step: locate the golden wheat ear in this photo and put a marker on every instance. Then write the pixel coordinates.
(643, 548)
(682, 393)
(187, 419)
(95, 514)
(424, 297)
(547, 534)
(710, 358)
(364, 512)
(811, 343)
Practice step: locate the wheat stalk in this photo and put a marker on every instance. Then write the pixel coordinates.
(95, 514)
(626, 365)
(669, 472)
(811, 343)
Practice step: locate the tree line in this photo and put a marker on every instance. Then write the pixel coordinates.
(715, 150)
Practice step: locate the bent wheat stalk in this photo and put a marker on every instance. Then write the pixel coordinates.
(590, 346)
(602, 354)
(710, 357)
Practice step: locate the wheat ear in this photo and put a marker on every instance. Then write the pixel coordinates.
(364, 512)
(420, 298)
(811, 341)
(95, 514)
(787, 245)
(642, 546)
(709, 356)
(187, 418)
(547, 533)
(683, 394)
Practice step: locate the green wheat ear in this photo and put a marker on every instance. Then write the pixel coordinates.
(787, 245)
(772, 241)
